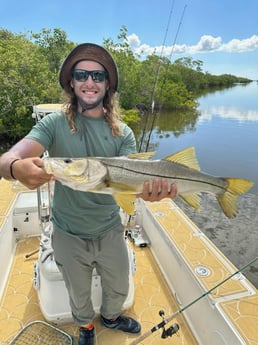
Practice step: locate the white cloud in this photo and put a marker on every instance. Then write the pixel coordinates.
(206, 44)
(236, 45)
(134, 41)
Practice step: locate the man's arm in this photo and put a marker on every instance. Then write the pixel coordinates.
(22, 162)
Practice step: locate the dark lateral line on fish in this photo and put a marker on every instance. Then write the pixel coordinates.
(169, 177)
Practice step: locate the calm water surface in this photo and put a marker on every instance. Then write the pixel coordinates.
(224, 132)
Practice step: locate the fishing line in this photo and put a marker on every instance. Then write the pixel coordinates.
(172, 51)
(157, 74)
(161, 54)
(165, 77)
(179, 311)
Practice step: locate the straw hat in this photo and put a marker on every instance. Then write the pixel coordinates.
(93, 52)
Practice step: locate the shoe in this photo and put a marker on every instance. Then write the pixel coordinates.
(86, 336)
(123, 323)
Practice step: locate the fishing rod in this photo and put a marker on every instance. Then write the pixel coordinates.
(175, 327)
(157, 74)
(172, 51)
(161, 54)
(165, 78)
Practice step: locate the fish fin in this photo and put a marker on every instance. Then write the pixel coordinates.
(228, 200)
(126, 202)
(191, 199)
(142, 155)
(185, 157)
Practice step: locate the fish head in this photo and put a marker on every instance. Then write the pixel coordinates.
(77, 173)
(70, 167)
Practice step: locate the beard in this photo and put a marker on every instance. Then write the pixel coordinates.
(88, 106)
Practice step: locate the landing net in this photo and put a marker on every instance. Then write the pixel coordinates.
(41, 333)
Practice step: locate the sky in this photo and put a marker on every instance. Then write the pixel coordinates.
(223, 34)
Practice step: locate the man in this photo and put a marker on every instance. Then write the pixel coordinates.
(87, 226)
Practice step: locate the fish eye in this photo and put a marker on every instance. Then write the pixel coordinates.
(67, 160)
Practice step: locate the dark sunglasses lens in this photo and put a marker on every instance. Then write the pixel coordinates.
(98, 76)
(82, 75)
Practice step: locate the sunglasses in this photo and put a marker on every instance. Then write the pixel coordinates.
(82, 75)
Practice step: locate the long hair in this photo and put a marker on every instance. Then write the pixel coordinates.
(110, 106)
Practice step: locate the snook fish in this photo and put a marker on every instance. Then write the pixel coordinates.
(123, 177)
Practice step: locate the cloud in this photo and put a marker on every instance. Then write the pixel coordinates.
(206, 44)
(134, 41)
(236, 45)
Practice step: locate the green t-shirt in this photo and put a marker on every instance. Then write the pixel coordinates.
(83, 214)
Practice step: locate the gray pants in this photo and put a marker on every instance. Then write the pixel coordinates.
(76, 258)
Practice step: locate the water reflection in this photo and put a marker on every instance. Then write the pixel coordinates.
(163, 125)
(233, 113)
(239, 103)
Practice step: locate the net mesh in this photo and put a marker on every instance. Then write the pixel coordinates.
(41, 333)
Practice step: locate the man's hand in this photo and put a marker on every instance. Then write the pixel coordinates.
(159, 190)
(30, 172)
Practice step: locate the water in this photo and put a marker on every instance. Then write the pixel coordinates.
(224, 132)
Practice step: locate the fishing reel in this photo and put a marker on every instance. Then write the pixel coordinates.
(169, 331)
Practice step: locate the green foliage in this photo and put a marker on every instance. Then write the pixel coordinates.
(148, 79)
(28, 74)
(54, 45)
(176, 96)
(190, 63)
(128, 67)
(18, 74)
(130, 116)
(196, 80)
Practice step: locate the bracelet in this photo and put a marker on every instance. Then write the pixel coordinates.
(11, 168)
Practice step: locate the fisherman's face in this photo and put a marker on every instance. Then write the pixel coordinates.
(89, 93)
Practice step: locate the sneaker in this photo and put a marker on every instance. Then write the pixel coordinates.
(123, 323)
(86, 336)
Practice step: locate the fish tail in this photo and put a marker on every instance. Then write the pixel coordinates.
(228, 200)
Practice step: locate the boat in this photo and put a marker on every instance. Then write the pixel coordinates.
(183, 289)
